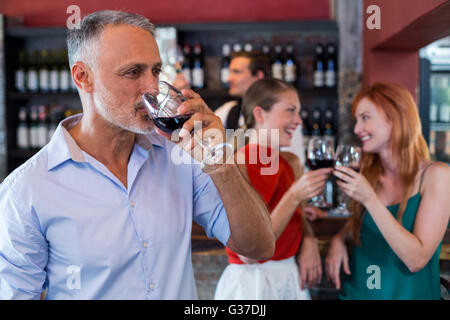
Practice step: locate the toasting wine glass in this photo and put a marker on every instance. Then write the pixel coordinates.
(163, 109)
(347, 155)
(320, 155)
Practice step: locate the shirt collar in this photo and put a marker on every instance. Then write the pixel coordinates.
(63, 146)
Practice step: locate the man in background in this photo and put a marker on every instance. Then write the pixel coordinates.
(245, 68)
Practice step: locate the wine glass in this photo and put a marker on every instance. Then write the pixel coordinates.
(347, 155)
(320, 155)
(162, 106)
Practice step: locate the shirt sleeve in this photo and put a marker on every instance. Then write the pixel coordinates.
(209, 211)
(23, 248)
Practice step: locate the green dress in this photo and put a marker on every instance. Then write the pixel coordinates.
(377, 272)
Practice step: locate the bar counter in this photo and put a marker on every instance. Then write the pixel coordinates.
(210, 259)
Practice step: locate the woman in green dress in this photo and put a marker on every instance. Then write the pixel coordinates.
(401, 204)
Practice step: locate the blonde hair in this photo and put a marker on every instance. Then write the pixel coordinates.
(406, 143)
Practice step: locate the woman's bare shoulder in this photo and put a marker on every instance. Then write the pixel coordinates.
(436, 175)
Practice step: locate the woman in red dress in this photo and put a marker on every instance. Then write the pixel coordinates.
(271, 109)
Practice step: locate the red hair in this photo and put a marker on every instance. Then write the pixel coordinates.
(406, 142)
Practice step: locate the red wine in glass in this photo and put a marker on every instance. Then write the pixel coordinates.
(170, 124)
(320, 155)
(315, 164)
(347, 156)
(162, 105)
(354, 168)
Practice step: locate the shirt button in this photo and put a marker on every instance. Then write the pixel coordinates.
(145, 244)
(151, 286)
(132, 203)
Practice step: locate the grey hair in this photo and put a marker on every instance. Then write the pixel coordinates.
(80, 40)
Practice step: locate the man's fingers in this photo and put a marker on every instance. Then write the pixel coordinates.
(190, 94)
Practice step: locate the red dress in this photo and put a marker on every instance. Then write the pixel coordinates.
(272, 188)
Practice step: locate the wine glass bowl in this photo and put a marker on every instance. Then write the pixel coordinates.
(162, 105)
(347, 155)
(320, 154)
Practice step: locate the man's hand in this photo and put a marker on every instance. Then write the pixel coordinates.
(203, 125)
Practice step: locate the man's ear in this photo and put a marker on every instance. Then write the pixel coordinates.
(82, 76)
(260, 74)
(258, 114)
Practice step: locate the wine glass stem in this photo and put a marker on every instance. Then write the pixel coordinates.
(199, 140)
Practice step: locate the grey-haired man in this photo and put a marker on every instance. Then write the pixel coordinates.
(102, 212)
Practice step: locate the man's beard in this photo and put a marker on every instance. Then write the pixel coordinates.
(130, 122)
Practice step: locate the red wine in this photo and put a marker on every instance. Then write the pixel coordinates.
(355, 169)
(314, 164)
(169, 124)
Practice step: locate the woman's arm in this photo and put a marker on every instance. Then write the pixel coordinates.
(306, 186)
(414, 248)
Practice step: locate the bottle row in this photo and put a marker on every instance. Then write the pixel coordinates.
(317, 122)
(440, 113)
(37, 124)
(284, 65)
(43, 71)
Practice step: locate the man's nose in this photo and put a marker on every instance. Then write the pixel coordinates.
(149, 84)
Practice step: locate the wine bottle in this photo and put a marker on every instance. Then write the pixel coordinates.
(237, 47)
(330, 73)
(306, 128)
(34, 122)
(289, 66)
(186, 67)
(32, 75)
(20, 75)
(42, 127)
(328, 127)
(44, 74)
(266, 49)
(198, 71)
(319, 67)
(277, 64)
(316, 123)
(64, 74)
(224, 71)
(23, 132)
(54, 71)
(53, 116)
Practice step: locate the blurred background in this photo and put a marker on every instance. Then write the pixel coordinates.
(328, 49)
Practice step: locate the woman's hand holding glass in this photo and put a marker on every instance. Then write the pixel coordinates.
(320, 155)
(310, 184)
(354, 185)
(348, 156)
